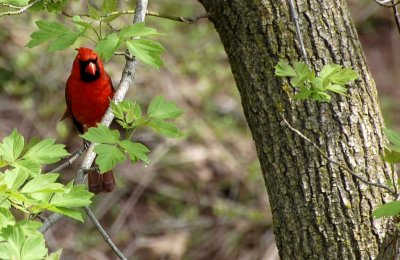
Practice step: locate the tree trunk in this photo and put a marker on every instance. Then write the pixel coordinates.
(320, 211)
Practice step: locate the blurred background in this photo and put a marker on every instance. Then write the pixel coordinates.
(202, 196)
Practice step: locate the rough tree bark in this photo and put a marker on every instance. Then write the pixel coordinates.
(320, 211)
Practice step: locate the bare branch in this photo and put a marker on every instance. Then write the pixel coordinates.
(20, 9)
(104, 233)
(384, 3)
(396, 14)
(149, 13)
(298, 31)
(75, 155)
(344, 167)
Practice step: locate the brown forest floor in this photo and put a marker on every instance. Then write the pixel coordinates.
(202, 196)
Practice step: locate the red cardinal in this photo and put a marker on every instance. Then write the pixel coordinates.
(88, 93)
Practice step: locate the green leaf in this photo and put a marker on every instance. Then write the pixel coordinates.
(137, 30)
(55, 6)
(164, 128)
(47, 31)
(12, 146)
(14, 240)
(106, 47)
(109, 6)
(298, 82)
(393, 137)
(33, 248)
(328, 70)
(108, 156)
(14, 178)
(117, 110)
(64, 41)
(135, 150)
(43, 183)
(46, 152)
(392, 156)
(304, 93)
(6, 218)
(30, 227)
(301, 69)
(134, 113)
(338, 75)
(30, 167)
(72, 213)
(320, 96)
(54, 256)
(76, 19)
(147, 51)
(93, 13)
(387, 210)
(101, 134)
(77, 196)
(283, 69)
(318, 84)
(344, 76)
(162, 109)
(337, 88)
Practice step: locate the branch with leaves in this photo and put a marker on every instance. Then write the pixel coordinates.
(41, 192)
(19, 9)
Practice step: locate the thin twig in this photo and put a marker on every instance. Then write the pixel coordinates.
(104, 233)
(75, 155)
(396, 15)
(127, 55)
(298, 31)
(344, 167)
(383, 3)
(149, 13)
(179, 18)
(21, 9)
(49, 221)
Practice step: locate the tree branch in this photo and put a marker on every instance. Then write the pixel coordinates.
(75, 155)
(384, 3)
(344, 167)
(128, 75)
(20, 9)
(396, 14)
(149, 13)
(104, 233)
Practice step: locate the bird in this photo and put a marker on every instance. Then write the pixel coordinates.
(88, 92)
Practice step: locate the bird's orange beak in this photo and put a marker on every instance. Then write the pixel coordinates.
(91, 68)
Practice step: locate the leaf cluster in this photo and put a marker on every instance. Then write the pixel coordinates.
(111, 149)
(107, 41)
(21, 240)
(25, 188)
(332, 77)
